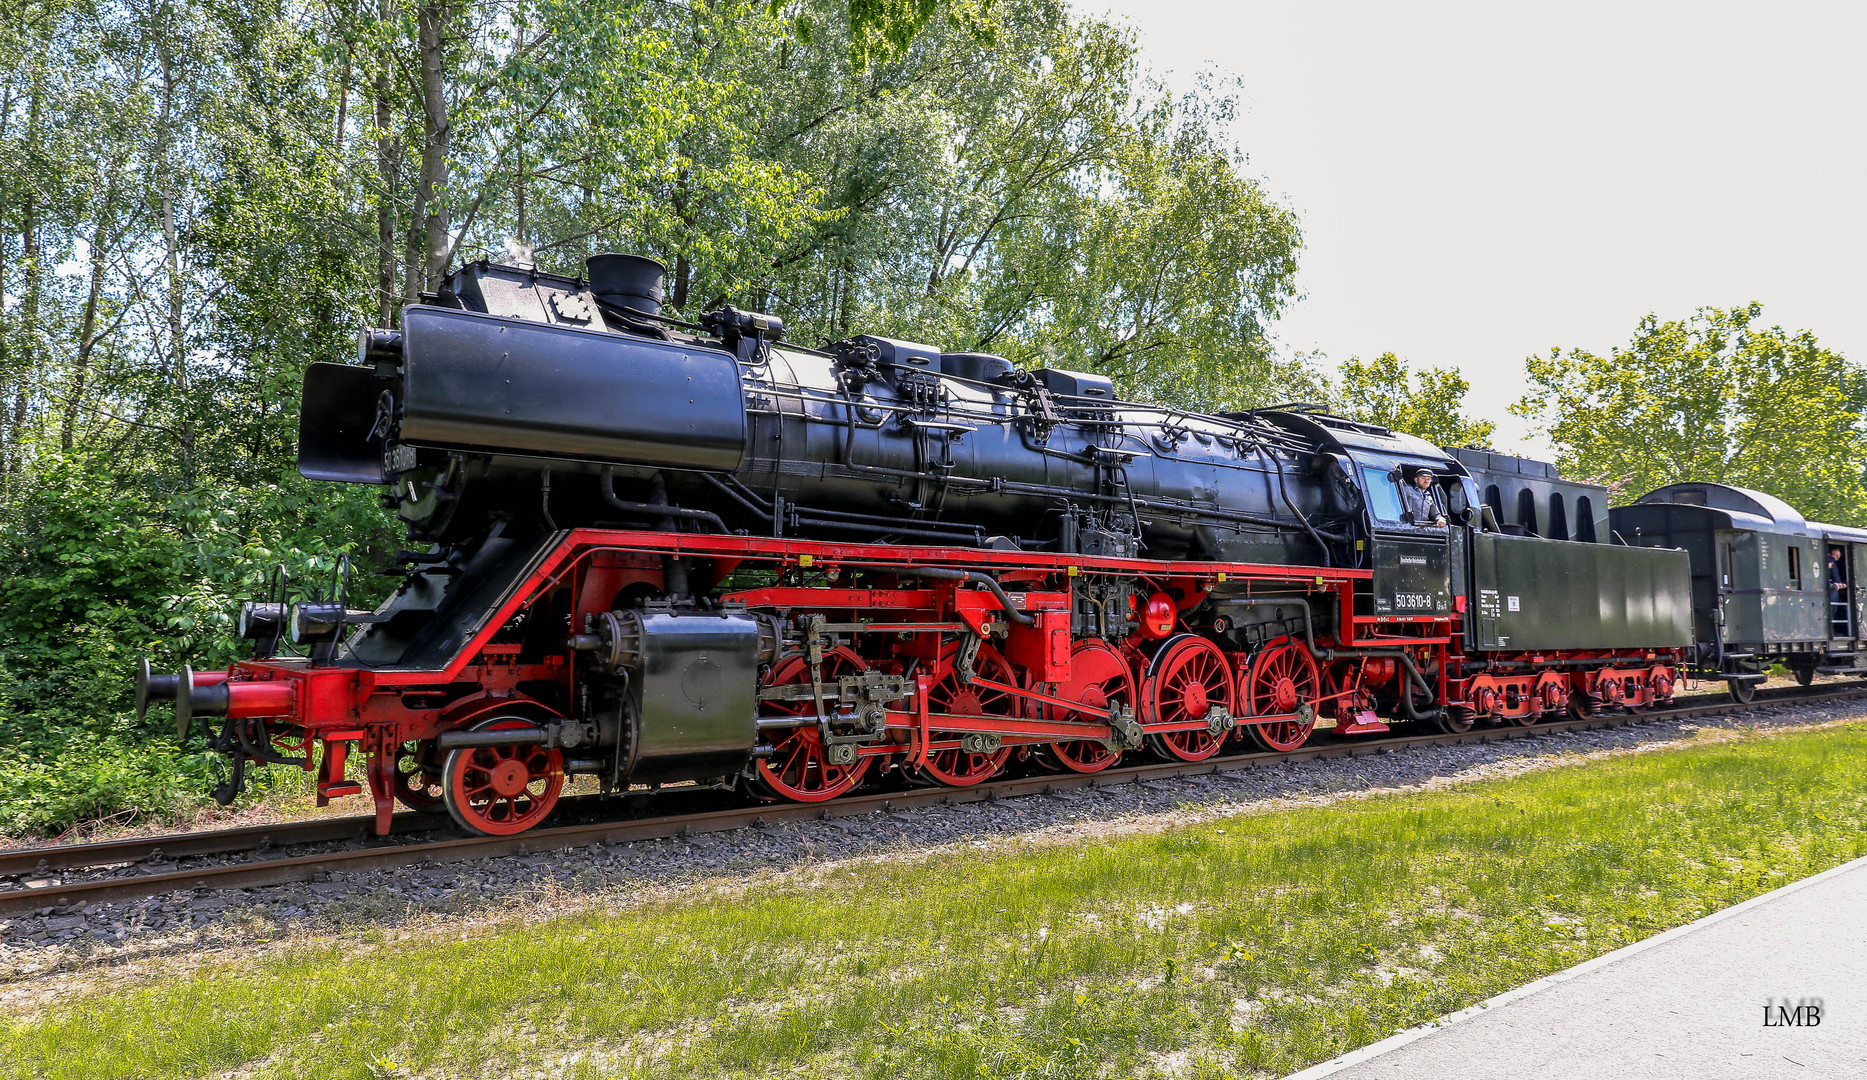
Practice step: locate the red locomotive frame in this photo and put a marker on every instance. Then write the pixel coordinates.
(986, 683)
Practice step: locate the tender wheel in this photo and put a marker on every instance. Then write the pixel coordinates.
(1805, 676)
(1554, 695)
(1456, 719)
(1099, 678)
(1279, 680)
(1742, 691)
(798, 768)
(1660, 686)
(957, 766)
(418, 782)
(1186, 680)
(1528, 719)
(501, 790)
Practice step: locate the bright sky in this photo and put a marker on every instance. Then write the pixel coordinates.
(1482, 181)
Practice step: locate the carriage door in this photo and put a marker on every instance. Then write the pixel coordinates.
(1839, 575)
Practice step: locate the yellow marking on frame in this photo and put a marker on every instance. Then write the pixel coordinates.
(1075, 570)
(807, 560)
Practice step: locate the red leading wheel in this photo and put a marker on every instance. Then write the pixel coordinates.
(1100, 679)
(957, 766)
(1189, 676)
(501, 790)
(1280, 679)
(418, 783)
(798, 767)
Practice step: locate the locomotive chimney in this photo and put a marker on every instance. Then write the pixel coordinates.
(627, 281)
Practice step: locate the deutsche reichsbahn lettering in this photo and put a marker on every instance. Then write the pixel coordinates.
(1806, 1012)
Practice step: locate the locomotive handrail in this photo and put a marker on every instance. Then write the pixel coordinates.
(1259, 432)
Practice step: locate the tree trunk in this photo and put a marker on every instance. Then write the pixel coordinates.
(32, 279)
(33, 275)
(172, 261)
(388, 168)
(846, 297)
(28, 313)
(414, 267)
(683, 270)
(683, 273)
(431, 39)
(87, 327)
(343, 101)
(519, 197)
(6, 379)
(6, 335)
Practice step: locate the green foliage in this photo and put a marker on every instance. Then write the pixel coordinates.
(1716, 397)
(1425, 403)
(199, 200)
(96, 574)
(1250, 945)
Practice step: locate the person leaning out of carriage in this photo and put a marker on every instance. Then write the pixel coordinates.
(1421, 500)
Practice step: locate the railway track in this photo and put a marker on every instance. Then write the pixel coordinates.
(269, 864)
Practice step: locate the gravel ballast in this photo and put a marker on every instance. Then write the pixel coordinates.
(50, 946)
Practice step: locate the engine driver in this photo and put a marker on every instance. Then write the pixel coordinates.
(1421, 500)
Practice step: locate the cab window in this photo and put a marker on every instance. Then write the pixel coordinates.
(1383, 494)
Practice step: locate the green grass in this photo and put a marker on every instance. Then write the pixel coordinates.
(1249, 946)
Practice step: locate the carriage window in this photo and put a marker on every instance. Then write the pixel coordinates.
(1526, 510)
(1558, 519)
(1584, 520)
(1795, 566)
(1383, 493)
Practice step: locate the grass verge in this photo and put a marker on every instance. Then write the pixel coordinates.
(1248, 946)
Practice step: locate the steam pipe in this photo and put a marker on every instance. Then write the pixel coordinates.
(853, 522)
(1283, 489)
(940, 573)
(727, 491)
(608, 487)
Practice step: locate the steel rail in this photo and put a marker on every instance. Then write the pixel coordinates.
(16, 862)
(282, 871)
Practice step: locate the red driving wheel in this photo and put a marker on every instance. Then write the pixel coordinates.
(957, 766)
(1280, 679)
(501, 790)
(1100, 679)
(798, 767)
(1187, 678)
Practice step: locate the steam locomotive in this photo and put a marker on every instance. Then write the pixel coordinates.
(654, 552)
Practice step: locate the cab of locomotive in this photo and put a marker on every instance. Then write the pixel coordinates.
(1416, 501)
(1411, 539)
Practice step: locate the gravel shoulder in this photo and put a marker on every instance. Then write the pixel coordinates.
(45, 955)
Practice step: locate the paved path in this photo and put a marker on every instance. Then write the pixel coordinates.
(1686, 1004)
